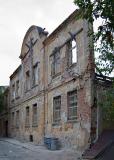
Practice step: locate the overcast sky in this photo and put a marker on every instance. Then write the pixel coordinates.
(16, 16)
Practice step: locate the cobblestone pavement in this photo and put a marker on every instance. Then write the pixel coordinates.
(11, 149)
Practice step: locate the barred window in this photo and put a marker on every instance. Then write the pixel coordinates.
(72, 105)
(55, 64)
(35, 115)
(56, 109)
(72, 52)
(27, 117)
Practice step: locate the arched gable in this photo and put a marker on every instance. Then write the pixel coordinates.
(33, 33)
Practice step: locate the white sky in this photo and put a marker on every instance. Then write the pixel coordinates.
(16, 16)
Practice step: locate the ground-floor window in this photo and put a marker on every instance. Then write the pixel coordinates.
(56, 109)
(72, 105)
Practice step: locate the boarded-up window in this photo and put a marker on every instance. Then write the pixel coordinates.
(35, 115)
(55, 63)
(72, 52)
(27, 117)
(72, 105)
(56, 109)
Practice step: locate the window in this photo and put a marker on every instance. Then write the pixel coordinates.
(72, 52)
(17, 119)
(72, 105)
(35, 74)
(27, 117)
(35, 116)
(27, 80)
(17, 88)
(55, 65)
(56, 109)
(13, 91)
(13, 119)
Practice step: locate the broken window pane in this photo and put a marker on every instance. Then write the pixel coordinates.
(72, 52)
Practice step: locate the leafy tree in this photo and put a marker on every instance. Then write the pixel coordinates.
(102, 10)
(103, 39)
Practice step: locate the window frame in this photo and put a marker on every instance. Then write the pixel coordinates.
(55, 63)
(55, 110)
(27, 117)
(70, 49)
(70, 106)
(17, 118)
(35, 70)
(27, 80)
(35, 116)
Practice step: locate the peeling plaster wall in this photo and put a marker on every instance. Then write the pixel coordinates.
(79, 76)
(71, 134)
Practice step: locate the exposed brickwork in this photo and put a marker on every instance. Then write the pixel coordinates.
(76, 77)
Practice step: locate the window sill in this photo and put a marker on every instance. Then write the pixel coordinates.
(17, 127)
(27, 126)
(72, 65)
(17, 97)
(72, 121)
(12, 100)
(34, 125)
(56, 75)
(34, 86)
(56, 124)
(27, 91)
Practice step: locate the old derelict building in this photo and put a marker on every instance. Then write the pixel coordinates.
(52, 91)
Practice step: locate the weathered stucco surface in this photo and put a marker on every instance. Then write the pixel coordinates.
(79, 77)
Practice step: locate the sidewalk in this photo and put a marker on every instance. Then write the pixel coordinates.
(27, 145)
(63, 154)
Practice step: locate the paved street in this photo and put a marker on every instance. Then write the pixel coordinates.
(14, 150)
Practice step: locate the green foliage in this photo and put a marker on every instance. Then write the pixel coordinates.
(104, 37)
(102, 10)
(107, 104)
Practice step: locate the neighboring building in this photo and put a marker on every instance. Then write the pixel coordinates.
(4, 112)
(54, 92)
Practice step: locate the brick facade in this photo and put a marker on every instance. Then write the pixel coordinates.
(57, 75)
